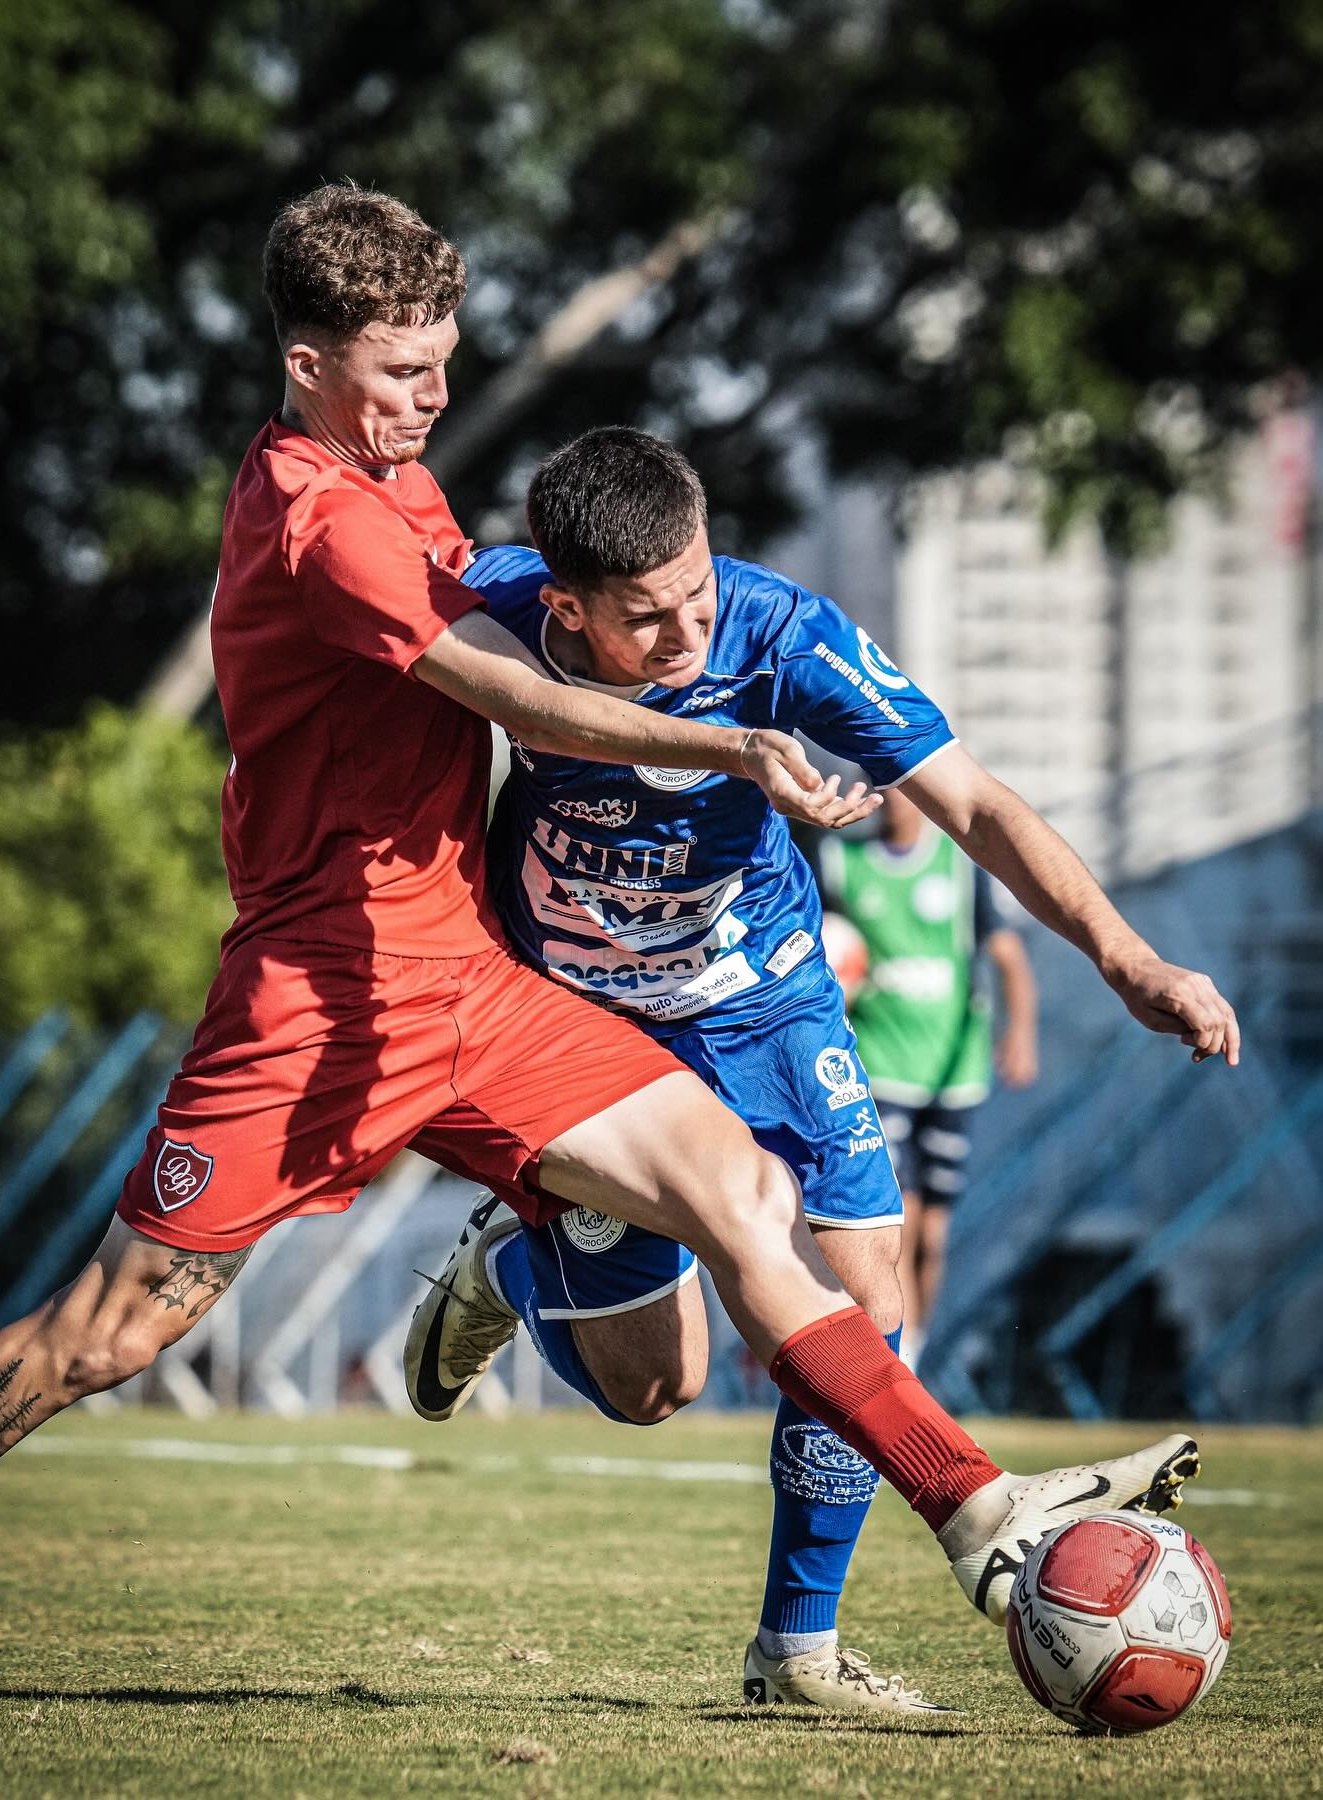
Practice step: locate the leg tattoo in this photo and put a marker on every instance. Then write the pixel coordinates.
(194, 1281)
(14, 1412)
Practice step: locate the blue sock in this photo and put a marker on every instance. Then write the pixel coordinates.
(822, 1491)
(553, 1338)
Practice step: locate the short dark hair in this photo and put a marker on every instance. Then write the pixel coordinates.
(614, 502)
(344, 256)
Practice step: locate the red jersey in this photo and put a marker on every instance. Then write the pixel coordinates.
(355, 807)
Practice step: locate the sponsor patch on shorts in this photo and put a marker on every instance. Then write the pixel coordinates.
(835, 1069)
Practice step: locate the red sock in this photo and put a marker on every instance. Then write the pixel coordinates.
(842, 1370)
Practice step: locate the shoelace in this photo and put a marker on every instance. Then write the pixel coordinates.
(857, 1666)
(471, 1347)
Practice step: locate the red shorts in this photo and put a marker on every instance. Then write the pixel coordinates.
(313, 1066)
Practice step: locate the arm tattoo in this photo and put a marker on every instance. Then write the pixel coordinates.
(195, 1279)
(14, 1417)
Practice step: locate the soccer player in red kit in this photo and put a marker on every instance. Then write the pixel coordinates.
(366, 1000)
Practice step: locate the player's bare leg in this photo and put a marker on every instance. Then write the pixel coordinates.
(675, 1161)
(909, 1264)
(652, 1360)
(643, 1363)
(672, 1159)
(868, 1264)
(935, 1228)
(134, 1298)
(822, 1493)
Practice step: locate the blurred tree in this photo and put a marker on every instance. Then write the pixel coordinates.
(1085, 233)
(112, 887)
(1104, 239)
(146, 146)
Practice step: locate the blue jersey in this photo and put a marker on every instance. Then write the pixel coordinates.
(675, 894)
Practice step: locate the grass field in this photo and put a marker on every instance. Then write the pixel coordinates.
(503, 1613)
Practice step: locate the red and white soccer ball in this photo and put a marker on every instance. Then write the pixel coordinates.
(846, 952)
(1118, 1622)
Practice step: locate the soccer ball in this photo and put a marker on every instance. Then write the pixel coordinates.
(1118, 1622)
(846, 952)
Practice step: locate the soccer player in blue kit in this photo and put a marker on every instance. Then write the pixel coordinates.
(678, 898)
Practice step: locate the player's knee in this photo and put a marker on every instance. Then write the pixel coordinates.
(755, 1200)
(658, 1396)
(876, 1286)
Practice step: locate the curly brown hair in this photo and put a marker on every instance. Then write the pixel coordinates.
(344, 256)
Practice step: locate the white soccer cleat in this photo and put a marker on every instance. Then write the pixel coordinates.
(834, 1679)
(986, 1553)
(457, 1330)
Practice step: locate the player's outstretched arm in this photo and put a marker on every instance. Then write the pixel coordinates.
(486, 668)
(1008, 838)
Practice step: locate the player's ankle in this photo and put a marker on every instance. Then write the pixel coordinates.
(975, 1519)
(785, 1644)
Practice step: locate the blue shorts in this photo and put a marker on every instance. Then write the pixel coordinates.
(799, 1086)
(929, 1145)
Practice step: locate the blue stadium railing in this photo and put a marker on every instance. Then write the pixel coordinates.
(1135, 1194)
(1059, 1344)
(91, 1087)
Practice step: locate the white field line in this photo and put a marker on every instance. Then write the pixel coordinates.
(366, 1456)
(631, 1466)
(370, 1456)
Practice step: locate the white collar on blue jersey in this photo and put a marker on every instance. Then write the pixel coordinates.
(598, 687)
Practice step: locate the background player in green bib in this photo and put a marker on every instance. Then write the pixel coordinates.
(924, 1018)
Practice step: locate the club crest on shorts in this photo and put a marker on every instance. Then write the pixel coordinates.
(836, 1070)
(591, 1232)
(180, 1174)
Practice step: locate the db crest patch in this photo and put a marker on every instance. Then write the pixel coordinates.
(591, 1232)
(180, 1174)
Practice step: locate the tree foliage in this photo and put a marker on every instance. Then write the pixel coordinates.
(1084, 233)
(112, 887)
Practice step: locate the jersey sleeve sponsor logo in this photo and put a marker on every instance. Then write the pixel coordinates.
(670, 781)
(837, 1072)
(180, 1173)
(591, 1232)
(856, 679)
(613, 813)
(878, 664)
(924, 978)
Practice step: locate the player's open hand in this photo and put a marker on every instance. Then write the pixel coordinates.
(794, 787)
(1183, 1003)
